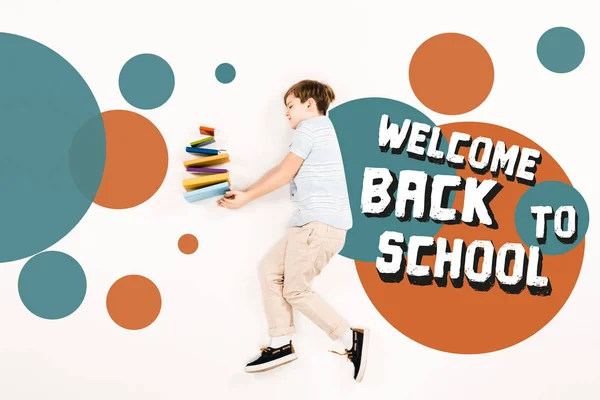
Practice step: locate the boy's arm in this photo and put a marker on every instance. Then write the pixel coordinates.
(262, 179)
(301, 146)
(276, 177)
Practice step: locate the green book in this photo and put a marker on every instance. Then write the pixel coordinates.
(203, 141)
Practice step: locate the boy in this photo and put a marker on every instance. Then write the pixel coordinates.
(315, 172)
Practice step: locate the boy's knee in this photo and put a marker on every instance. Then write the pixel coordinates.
(262, 269)
(269, 275)
(266, 267)
(295, 295)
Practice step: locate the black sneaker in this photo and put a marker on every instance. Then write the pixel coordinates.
(357, 355)
(272, 357)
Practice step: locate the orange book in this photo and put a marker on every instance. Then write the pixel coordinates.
(206, 161)
(207, 180)
(205, 130)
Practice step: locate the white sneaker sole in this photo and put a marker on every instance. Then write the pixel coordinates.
(272, 364)
(363, 356)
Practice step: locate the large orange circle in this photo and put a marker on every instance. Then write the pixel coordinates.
(462, 320)
(451, 73)
(133, 302)
(136, 160)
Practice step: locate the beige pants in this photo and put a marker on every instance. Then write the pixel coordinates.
(286, 275)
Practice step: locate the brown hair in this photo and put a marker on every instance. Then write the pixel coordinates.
(306, 89)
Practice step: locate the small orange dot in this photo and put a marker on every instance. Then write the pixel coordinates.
(188, 244)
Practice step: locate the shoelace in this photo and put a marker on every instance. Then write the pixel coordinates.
(346, 353)
(263, 349)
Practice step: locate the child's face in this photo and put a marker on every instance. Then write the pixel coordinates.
(298, 111)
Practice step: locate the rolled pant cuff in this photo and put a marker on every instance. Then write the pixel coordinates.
(281, 331)
(339, 331)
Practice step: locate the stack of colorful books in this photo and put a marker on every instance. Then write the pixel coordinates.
(209, 182)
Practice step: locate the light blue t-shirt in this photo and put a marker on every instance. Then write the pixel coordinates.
(319, 189)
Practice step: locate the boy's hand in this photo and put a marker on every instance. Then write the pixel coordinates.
(234, 199)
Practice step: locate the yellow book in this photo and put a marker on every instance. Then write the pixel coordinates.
(206, 180)
(209, 160)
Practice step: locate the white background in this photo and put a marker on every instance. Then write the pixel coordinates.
(212, 321)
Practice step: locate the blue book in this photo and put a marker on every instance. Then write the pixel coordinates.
(201, 150)
(207, 192)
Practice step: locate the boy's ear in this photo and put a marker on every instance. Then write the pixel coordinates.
(311, 102)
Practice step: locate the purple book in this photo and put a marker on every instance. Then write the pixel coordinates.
(207, 170)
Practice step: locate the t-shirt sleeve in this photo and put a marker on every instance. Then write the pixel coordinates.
(302, 142)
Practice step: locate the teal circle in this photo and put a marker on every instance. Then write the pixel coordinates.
(560, 50)
(554, 194)
(45, 105)
(225, 73)
(146, 81)
(52, 285)
(357, 127)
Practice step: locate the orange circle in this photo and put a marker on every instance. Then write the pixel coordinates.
(136, 160)
(133, 302)
(188, 244)
(451, 73)
(463, 320)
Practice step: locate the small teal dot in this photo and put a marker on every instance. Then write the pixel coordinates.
(554, 194)
(52, 285)
(146, 81)
(560, 50)
(225, 73)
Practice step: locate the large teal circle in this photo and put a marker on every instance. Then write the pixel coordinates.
(52, 285)
(560, 49)
(554, 194)
(357, 126)
(45, 105)
(146, 81)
